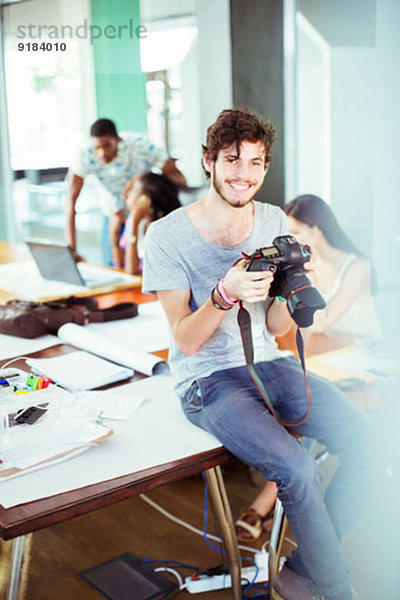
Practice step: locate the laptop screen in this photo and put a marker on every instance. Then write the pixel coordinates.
(55, 261)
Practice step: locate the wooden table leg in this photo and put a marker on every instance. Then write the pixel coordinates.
(222, 509)
(18, 557)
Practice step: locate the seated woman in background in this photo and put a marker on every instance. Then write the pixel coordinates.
(151, 197)
(337, 268)
(346, 279)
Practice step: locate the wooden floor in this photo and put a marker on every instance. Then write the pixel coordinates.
(60, 552)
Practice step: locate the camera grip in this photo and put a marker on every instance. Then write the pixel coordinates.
(260, 264)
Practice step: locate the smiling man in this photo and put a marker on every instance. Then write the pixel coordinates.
(193, 261)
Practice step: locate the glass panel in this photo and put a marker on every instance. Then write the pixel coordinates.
(50, 99)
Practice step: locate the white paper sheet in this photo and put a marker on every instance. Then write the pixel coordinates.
(149, 331)
(115, 350)
(42, 448)
(157, 433)
(62, 429)
(114, 404)
(12, 346)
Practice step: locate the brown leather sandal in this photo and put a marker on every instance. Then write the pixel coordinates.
(248, 526)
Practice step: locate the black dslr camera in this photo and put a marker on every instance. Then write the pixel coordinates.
(286, 259)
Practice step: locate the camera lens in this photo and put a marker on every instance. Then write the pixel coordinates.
(302, 298)
(302, 305)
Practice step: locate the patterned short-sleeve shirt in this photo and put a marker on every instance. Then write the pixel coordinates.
(136, 154)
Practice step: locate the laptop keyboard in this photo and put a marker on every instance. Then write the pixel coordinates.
(97, 278)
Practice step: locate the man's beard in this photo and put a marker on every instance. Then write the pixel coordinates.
(235, 204)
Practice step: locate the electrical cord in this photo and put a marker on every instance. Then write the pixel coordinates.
(179, 578)
(246, 586)
(188, 526)
(250, 585)
(174, 562)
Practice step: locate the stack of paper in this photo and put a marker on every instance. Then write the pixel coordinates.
(80, 370)
(61, 433)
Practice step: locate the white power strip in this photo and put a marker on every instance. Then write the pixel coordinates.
(204, 583)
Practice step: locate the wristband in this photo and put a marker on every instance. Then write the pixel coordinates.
(224, 295)
(215, 303)
(280, 298)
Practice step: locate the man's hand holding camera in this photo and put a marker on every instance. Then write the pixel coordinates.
(250, 286)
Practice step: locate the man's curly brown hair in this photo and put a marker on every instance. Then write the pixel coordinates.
(234, 126)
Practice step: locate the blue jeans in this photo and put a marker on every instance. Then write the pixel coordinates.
(106, 253)
(227, 404)
(105, 241)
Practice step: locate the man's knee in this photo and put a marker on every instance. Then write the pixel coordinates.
(298, 478)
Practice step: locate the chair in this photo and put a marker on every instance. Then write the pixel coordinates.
(278, 532)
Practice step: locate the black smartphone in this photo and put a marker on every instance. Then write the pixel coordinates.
(27, 416)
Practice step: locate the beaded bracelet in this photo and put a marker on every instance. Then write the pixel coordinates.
(224, 295)
(215, 303)
(131, 239)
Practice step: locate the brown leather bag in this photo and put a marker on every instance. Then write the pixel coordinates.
(28, 319)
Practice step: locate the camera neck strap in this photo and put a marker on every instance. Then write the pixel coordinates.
(244, 322)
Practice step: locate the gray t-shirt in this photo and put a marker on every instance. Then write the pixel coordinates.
(178, 257)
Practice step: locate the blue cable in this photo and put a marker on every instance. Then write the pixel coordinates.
(221, 550)
(251, 583)
(173, 562)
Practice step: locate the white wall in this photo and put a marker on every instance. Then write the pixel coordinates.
(191, 140)
(206, 72)
(365, 152)
(313, 111)
(365, 134)
(206, 82)
(353, 126)
(215, 66)
(386, 210)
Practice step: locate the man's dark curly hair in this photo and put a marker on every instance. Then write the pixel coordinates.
(103, 127)
(234, 126)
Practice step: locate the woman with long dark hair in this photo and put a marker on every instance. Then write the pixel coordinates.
(151, 197)
(346, 279)
(340, 271)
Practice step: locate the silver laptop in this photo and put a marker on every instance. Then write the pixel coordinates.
(56, 262)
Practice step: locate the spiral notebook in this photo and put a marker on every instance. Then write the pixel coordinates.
(80, 370)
